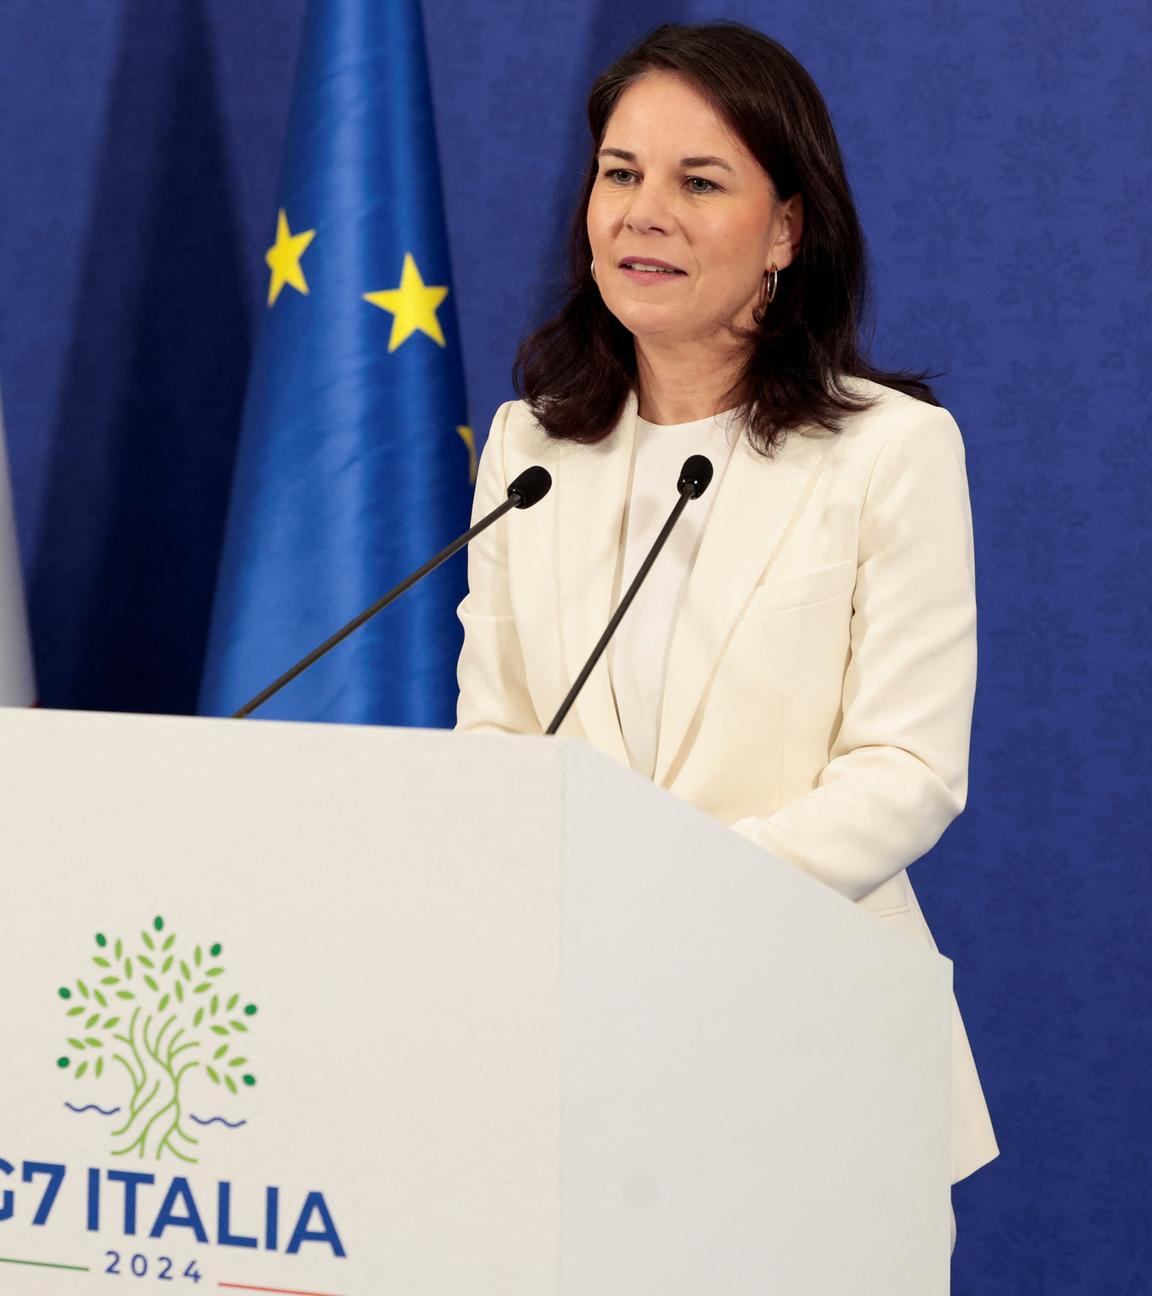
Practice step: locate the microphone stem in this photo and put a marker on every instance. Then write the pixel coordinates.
(302, 665)
(618, 615)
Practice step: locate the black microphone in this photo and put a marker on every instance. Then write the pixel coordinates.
(528, 489)
(693, 482)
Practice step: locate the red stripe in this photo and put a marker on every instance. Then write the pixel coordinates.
(280, 1291)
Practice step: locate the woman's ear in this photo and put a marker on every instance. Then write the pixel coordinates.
(791, 219)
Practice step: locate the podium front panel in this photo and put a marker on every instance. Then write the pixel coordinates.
(314, 1052)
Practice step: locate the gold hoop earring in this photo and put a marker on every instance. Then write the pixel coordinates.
(593, 269)
(767, 294)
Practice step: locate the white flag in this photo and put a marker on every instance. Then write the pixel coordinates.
(17, 685)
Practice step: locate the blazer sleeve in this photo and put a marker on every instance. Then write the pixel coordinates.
(898, 768)
(490, 672)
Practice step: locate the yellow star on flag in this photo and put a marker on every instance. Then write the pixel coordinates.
(283, 259)
(413, 306)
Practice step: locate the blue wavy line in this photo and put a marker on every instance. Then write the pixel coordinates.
(212, 1120)
(92, 1107)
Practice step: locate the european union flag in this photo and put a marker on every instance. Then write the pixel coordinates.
(355, 462)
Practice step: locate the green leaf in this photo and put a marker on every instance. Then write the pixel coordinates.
(219, 1030)
(220, 1052)
(100, 962)
(111, 1021)
(118, 949)
(180, 991)
(146, 961)
(216, 971)
(237, 1061)
(212, 1075)
(166, 965)
(199, 1017)
(170, 941)
(197, 956)
(75, 1012)
(147, 940)
(150, 983)
(128, 969)
(230, 1083)
(93, 1042)
(76, 1044)
(82, 988)
(215, 1004)
(109, 980)
(80, 1070)
(185, 971)
(99, 998)
(125, 994)
(204, 985)
(163, 1003)
(99, 1067)
(233, 1002)
(91, 1021)
(239, 1026)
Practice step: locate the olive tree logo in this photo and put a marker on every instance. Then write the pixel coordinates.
(160, 1015)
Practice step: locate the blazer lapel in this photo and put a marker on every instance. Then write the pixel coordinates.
(592, 489)
(752, 516)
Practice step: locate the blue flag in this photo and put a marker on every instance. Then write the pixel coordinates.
(355, 461)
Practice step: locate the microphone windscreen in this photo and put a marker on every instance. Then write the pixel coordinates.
(695, 476)
(531, 486)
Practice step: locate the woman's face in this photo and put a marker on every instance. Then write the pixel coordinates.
(677, 188)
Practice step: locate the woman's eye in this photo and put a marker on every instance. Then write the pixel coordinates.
(622, 176)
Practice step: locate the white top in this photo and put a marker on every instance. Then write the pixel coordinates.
(638, 653)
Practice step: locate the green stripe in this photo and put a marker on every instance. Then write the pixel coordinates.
(43, 1264)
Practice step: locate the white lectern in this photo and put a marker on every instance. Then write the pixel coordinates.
(363, 1012)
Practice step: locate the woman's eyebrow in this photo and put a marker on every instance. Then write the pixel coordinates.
(626, 156)
(705, 161)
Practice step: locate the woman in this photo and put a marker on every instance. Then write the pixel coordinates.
(801, 662)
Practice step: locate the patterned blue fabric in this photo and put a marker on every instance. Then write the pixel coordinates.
(354, 462)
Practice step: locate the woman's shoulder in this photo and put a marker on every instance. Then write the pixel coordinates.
(521, 433)
(895, 421)
(887, 406)
(516, 440)
(514, 422)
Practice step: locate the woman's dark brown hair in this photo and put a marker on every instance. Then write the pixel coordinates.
(575, 370)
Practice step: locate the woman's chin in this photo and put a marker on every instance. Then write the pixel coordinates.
(655, 321)
(666, 323)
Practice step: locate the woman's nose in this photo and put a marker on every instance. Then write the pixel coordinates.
(649, 211)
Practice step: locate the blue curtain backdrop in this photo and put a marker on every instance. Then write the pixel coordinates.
(1002, 160)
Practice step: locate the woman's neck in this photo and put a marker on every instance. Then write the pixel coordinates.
(683, 382)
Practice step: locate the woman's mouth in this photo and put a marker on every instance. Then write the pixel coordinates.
(643, 270)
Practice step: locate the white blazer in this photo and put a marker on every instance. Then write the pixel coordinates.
(823, 664)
